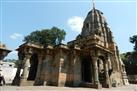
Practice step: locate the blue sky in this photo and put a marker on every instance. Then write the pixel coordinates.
(18, 18)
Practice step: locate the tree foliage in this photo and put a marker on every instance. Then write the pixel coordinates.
(133, 40)
(130, 58)
(51, 36)
(130, 61)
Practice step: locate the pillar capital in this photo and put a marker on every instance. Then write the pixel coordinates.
(94, 58)
(28, 50)
(41, 57)
(107, 56)
(26, 60)
(28, 55)
(92, 53)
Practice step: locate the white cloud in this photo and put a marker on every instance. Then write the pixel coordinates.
(15, 36)
(75, 23)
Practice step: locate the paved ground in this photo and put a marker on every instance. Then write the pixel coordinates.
(51, 88)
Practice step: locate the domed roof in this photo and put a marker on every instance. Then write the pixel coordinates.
(2, 46)
(93, 22)
(96, 16)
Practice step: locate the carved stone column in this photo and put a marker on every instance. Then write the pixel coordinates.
(26, 68)
(62, 76)
(75, 67)
(107, 83)
(96, 75)
(96, 79)
(38, 78)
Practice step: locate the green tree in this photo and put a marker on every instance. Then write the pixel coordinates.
(130, 58)
(133, 40)
(51, 36)
(125, 56)
(130, 62)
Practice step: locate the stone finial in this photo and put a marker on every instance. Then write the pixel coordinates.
(93, 2)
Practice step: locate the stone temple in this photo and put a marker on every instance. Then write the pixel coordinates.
(3, 51)
(91, 60)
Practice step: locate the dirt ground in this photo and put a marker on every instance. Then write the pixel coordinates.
(130, 87)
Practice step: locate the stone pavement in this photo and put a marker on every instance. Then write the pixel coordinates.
(52, 88)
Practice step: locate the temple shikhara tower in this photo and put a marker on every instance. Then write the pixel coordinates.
(91, 60)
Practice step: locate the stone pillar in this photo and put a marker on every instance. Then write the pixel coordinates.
(62, 68)
(16, 80)
(70, 70)
(26, 68)
(76, 68)
(96, 75)
(46, 70)
(62, 76)
(38, 80)
(107, 82)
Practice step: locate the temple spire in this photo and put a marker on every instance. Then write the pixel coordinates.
(93, 2)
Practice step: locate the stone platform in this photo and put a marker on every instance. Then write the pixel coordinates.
(130, 87)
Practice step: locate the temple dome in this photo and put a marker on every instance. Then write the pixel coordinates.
(94, 22)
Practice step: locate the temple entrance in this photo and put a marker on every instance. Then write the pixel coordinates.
(33, 67)
(86, 70)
